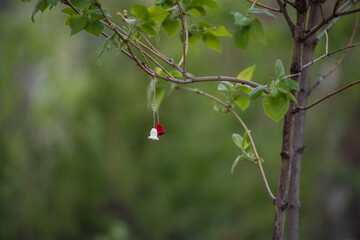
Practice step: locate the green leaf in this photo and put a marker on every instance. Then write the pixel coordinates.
(193, 39)
(279, 69)
(289, 83)
(220, 32)
(157, 14)
(53, 2)
(95, 27)
(106, 47)
(80, 3)
(69, 11)
(141, 12)
(245, 139)
(260, 11)
(212, 41)
(222, 87)
(246, 89)
(147, 28)
(241, 37)
(235, 163)
(170, 26)
(219, 108)
(247, 73)
(288, 94)
(241, 20)
(211, 4)
(96, 14)
(238, 140)
(77, 23)
(257, 31)
(276, 106)
(43, 5)
(242, 102)
(257, 92)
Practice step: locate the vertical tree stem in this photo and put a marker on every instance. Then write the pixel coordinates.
(287, 152)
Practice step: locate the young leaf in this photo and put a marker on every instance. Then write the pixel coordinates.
(220, 32)
(242, 102)
(80, 3)
(212, 41)
(211, 4)
(257, 92)
(288, 94)
(241, 37)
(279, 69)
(246, 89)
(95, 27)
(235, 163)
(247, 73)
(96, 14)
(170, 26)
(141, 12)
(257, 31)
(276, 106)
(69, 11)
(106, 47)
(77, 23)
(147, 28)
(222, 87)
(157, 14)
(289, 83)
(53, 2)
(245, 139)
(260, 11)
(237, 139)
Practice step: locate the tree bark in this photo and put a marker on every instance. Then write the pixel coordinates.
(302, 98)
(287, 152)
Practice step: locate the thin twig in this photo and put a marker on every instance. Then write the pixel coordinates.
(230, 109)
(328, 54)
(302, 108)
(286, 16)
(339, 61)
(290, 3)
(327, 20)
(344, 7)
(265, 6)
(184, 35)
(327, 43)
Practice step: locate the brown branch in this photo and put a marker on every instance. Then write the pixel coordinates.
(339, 61)
(265, 6)
(286, 16)
(290, 3)
(328, 54)
(304, 108)
(230, 109)
(184, 34)
(327, 20)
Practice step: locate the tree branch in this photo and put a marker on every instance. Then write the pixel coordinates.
(304, 108)
(327, 20)
(230, 109)
(330, 53)
(185, 40)
(265, 6)
(338, 62)
(286, 16)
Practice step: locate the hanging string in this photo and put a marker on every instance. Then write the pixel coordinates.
(155, 105)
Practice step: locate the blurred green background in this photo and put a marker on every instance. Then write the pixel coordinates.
(76, 162)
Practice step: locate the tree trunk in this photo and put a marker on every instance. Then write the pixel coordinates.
(302, 97)
(287, 152)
